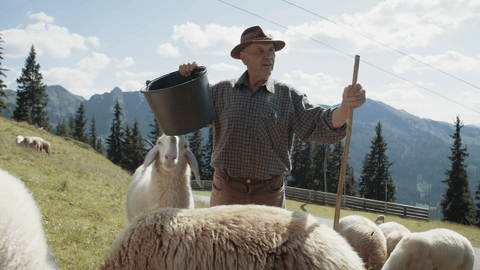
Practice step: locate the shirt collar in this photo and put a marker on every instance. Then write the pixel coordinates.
(269, 84)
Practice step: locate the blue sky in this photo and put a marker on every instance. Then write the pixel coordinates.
(91, 47)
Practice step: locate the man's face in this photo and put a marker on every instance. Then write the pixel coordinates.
(259, 59)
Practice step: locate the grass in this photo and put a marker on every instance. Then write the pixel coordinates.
(81, 196)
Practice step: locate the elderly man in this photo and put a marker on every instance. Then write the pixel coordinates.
(255, 119)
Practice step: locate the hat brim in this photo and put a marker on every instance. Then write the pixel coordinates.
(235, 53)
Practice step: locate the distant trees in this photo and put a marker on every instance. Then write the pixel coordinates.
(375, 177)
(2, 84)
(155, 132)
(115, 138)
(32, 99)
(195, 145)
(134, 151)
(477, 206)
(63, 130)
(79, 131)
(95, 141)
(457, 204)
(301, 163)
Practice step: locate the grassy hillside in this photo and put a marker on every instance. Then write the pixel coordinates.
(81, 195)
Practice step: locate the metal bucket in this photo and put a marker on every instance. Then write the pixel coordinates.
(180, 104)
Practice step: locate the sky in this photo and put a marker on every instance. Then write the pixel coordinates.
(420, 56)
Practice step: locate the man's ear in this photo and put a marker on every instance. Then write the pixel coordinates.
(243, 56)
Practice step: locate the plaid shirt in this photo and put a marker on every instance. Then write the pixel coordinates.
(254, 129)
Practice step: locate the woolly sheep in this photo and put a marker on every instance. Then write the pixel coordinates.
(27, 141)
(37, 144)
(366, 239)
(394, 232)
(380, 218)
(22, 240)
(230, 237)
(19, 139)
(46, 147)
(439, 249)
(163, 180)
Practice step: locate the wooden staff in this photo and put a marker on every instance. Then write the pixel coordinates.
(343, 169)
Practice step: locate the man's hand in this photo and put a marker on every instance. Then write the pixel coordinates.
(187, 68)
(353, 96)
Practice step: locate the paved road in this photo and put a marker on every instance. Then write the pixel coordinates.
(329, 222)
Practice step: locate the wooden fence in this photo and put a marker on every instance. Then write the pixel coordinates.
(325, 198)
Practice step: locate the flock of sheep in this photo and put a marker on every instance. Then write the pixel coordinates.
(36, 143)
(166, 232)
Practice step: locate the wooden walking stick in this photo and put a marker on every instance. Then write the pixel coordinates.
(343, 169)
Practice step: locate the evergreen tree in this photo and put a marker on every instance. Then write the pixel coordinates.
(195, 145)
(208, 171)
(127, 143)
(318, 166)
(301, 174)
(457, 203)
(138, 150)
(350, 182)
(32, 99)
(99, 146)
(2, 84)
(335, 168)
(62, 128)
(93, 133)
(71, 125)
(376, 176)
(79, 132)
(477, 206)
(156, 132)
(114, 140)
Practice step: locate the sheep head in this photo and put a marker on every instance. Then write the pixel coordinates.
(168, 151)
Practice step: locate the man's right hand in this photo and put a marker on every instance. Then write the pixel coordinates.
(187, 68)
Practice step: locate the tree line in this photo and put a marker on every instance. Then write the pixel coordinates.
(314, 165)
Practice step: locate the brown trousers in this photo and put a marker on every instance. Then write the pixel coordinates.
(229, 190)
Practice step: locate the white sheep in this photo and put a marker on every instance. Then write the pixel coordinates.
(230, 237)
(366, 239)
(19, 139)
(439, 249)
(163, 180)
(380, 218)
(46, 147)
(394, 232)
(22, 240)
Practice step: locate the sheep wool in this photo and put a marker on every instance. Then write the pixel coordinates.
(366, 238)
(230, 237)
(438, 249)
(394, 232)
(22, 240)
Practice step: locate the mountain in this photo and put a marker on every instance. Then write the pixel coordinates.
(418, 147)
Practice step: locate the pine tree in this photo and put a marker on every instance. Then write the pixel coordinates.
(477, 206)
(71, 125)
(375, 176)
(99, 146)
(318, 166)
(138, 150)
(62, 128)
(195, 145)
(114, 140)
(93, 133)
(208, 171)
(156, 132)
(335, 166)
(79, 132)
(32, 99)
(2, 84)
(457, 204)
(301, 174)
(127, 144)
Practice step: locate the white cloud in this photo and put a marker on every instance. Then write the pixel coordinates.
(130, 75)
(450, 60)
(41, 17)
(167, 50)
(224, 67)
(126, 62)
(71, 79)
(132, 85)
(324, 81)
(97, 62)
(95, 41)
(46, 37)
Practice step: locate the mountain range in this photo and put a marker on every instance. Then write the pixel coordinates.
(419, 148)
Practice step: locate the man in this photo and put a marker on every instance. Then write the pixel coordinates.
(255, 119)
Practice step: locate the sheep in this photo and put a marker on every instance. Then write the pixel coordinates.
(394, 232)
(366, 239)
(22, 240)
(380, 218)
(230, 237)
(27, 141)
(163, 180)
(37, 145)
(19, 139)
(439, 249)
(46, 147)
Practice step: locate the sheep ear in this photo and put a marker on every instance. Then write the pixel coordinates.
(151, 156)
(192, 161)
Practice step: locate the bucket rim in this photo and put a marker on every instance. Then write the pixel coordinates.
(200, 69)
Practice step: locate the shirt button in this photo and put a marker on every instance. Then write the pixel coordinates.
(248, 181)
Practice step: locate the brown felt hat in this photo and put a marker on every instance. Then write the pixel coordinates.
(252, 35)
